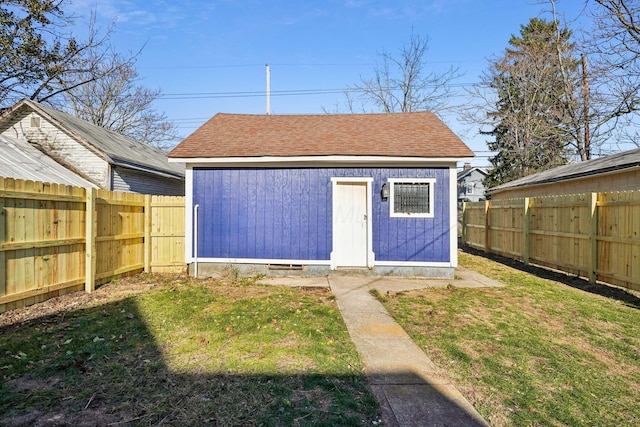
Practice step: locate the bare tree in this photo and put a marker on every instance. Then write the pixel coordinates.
(616, 42)
(39, 56)
(574, 103)
(403, 83)
(614, 77)
(116, 102)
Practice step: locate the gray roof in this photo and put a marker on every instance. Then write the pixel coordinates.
(610, 163)
(464, 173)
(118, 149)
(21, 160)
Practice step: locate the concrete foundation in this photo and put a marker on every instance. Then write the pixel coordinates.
(208, 269)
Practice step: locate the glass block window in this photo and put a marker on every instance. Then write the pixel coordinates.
(411, 197)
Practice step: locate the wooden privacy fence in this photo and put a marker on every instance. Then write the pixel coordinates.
(594, 235)
(56, 239)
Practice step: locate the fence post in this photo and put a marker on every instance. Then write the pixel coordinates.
(91, 231)
(464, 223)
(3, 237)
(487, 224)
(526, 250)
(593, 238)
(147, 233)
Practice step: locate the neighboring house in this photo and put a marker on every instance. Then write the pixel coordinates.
(108, 159)
(324, 192)
(616, 172)
(471, 184)
(21, 160)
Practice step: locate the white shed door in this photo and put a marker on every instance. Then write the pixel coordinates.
(350, 224)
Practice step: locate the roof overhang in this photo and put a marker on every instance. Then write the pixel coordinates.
(316, 161)
(151, 171)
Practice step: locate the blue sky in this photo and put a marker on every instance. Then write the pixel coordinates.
(221, 47)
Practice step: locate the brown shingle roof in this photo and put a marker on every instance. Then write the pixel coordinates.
(419, 134)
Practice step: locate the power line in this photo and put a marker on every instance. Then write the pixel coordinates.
(246, 94)
(262, 93)
(293, 64)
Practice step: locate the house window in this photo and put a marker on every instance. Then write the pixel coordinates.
(470, 187)
(35, 122)
(412, 197)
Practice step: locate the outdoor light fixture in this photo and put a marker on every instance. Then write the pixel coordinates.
(384, 193)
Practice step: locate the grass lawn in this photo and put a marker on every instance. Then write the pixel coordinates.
(179, 351)
(534, 353)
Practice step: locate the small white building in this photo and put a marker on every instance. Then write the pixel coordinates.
(107, 159)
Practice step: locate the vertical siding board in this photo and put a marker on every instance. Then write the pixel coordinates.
(251, 215)
(299, 208)
(260, 213)
(303, 199)
(209, 195)
(230, 211)
(208, 191)
(210, 220)
(236, 186)
(261, 197)
(244, 205)
(203, 193)
(219, 221)
(286, 242)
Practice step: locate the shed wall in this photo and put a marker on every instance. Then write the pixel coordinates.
(285, 213)
(123, 179)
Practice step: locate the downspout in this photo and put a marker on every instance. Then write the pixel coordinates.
(195, 240)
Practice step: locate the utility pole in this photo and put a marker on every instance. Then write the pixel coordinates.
(268, 90)
(585, 90)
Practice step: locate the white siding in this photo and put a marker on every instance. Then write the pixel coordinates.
(63, 146)
(471, 187)
(139, 182)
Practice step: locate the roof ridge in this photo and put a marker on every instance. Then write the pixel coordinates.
(326, 114)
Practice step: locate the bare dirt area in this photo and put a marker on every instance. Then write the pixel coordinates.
(109, 292)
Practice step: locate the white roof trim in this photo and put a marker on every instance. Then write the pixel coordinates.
(316, 160)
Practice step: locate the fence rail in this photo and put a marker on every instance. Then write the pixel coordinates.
(594, 235)
(56, 239)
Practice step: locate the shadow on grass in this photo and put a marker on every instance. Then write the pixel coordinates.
(102, 366)
(608, 291)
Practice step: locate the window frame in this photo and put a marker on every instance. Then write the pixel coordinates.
(470, 187)
(432, 184)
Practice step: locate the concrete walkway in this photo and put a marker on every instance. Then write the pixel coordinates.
(410, 388)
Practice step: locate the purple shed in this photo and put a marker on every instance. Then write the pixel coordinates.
(315, 193)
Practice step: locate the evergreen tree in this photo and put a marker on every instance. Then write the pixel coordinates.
(535, 83)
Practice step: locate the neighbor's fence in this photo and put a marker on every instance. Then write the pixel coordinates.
(56, 239)
(593, 235)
